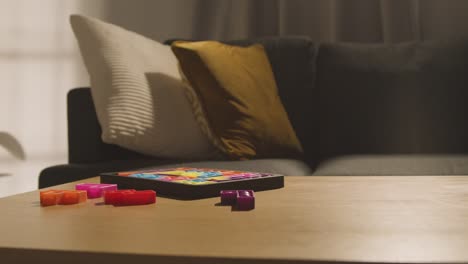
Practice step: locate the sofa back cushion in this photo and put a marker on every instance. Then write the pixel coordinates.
(389, 99)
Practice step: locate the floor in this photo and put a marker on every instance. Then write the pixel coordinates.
(18, 176)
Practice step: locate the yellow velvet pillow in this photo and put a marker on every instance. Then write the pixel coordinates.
(240, 99)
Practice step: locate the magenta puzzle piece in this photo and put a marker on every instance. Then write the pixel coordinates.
(95, 190)
(228, 197)
(244, 200)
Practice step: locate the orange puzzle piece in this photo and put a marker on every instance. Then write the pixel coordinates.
(54, 197)
(50, 197)
(73, 197)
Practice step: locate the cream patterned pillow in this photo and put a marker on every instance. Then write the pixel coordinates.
(140, 98)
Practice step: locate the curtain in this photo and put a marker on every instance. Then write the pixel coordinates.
(323, 20)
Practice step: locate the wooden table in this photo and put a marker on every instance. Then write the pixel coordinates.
(312, 219)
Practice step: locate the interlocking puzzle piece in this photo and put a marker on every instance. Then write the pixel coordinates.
(191, 174)
(73, 197)
(228, 197)
(115, 197)
(126, 173)
(129, 197)
(139, 197)
(220, 178)
(50, 197)
(95, 190)
(173, 172)
(244, 200)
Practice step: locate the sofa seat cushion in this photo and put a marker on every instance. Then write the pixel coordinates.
(369, 165)
(72, 172)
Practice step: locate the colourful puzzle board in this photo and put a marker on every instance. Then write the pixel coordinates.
(193, 183)
(193, 176)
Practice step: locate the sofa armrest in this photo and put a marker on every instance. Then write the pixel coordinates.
(84, 132)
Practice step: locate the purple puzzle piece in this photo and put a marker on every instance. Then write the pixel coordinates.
(245, 200)
(228, 197)
(95, 190)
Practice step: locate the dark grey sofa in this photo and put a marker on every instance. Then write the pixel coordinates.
(358, 109)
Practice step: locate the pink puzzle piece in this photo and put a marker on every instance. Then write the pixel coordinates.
(95, 190)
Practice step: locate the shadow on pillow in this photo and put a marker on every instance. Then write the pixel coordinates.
(177, 107)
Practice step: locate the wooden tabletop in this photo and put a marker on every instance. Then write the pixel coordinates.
(312, 219)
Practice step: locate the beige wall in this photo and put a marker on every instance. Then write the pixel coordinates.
(39, 63)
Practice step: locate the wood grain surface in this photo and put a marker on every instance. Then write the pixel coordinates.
(419, 219)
